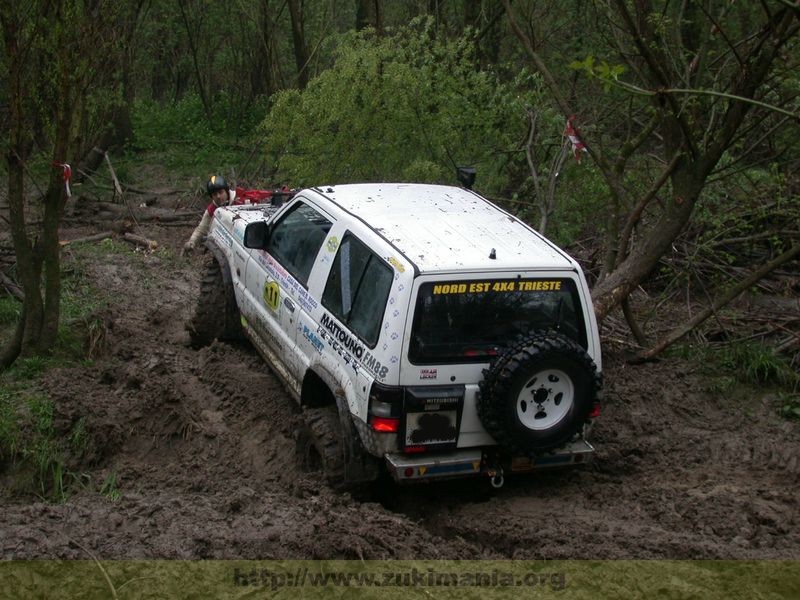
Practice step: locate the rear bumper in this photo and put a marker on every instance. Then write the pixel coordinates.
(472, 462)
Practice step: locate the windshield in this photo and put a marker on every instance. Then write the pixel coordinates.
(471, 321)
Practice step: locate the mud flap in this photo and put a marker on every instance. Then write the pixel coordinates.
(359, 465)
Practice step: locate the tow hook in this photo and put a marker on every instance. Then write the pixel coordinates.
(497, 479)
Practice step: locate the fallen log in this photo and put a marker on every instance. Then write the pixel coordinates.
(138, 240)
(88, 239)
(117, 187)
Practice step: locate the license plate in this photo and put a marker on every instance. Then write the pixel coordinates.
(431, 427)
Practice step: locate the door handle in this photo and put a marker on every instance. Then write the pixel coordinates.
(288, 304)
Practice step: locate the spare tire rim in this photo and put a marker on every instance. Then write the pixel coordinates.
(545, 399)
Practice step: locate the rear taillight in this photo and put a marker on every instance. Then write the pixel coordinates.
(385, 405)
(384, 424)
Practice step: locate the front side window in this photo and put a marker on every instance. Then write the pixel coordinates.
(357, 289)
(471, 321)
(296, 239)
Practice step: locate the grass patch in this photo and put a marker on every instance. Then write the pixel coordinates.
(35, 456)
(758, 364)
(29, 446)
(791, 407)
(9, 311)
(745, 363)
(109, 488)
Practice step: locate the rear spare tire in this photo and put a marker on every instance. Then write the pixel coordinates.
(538, 394)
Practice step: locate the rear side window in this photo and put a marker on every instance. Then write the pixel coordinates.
(472, 321)
(296, 239)
(357, 289)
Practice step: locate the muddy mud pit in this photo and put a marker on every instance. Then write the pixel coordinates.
(202, 446)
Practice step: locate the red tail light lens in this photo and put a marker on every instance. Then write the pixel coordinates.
(384, 424)
(385, 405)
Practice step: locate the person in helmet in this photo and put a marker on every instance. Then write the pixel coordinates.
(221, 195)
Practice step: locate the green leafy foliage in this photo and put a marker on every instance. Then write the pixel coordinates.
(608, 74)
(407, 106)
(186, 141)
(582, 197)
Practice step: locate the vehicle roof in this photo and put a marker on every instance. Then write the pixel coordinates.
(443, 228)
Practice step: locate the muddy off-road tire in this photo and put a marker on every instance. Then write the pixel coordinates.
(216, 315)
(320, 444)
(538, 393)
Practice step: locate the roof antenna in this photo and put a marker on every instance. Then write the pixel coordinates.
(493, 254)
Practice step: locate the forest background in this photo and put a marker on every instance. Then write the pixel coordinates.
(679, 194)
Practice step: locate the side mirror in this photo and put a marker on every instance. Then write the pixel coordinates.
(256, 235)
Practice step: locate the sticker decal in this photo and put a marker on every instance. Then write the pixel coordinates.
(349, 348)
(498, 286)
(289, 283)
(428, 373)
(396, 264)
(317, 343)
(223, 237)
(332, 244)
(272, 295)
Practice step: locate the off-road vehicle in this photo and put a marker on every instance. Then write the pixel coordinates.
(420, 327)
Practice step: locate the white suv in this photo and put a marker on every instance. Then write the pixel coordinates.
(420, 327)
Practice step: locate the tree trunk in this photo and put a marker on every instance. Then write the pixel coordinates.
(28, 262)
(34, 34)
(369, 13)
(301, 56)
(201, 86)
(651, 246)
(265, 74)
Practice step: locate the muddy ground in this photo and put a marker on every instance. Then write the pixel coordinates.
(201, 446)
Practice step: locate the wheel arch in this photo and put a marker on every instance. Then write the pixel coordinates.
(321, 389)
(317, 390)
(220, 257)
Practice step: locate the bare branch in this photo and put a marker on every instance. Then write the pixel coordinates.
(655, 66)
(737, 289)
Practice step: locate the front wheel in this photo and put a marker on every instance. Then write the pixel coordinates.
(216, 315)
(538, 394)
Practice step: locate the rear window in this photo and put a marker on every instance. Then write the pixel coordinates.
(471, 321)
